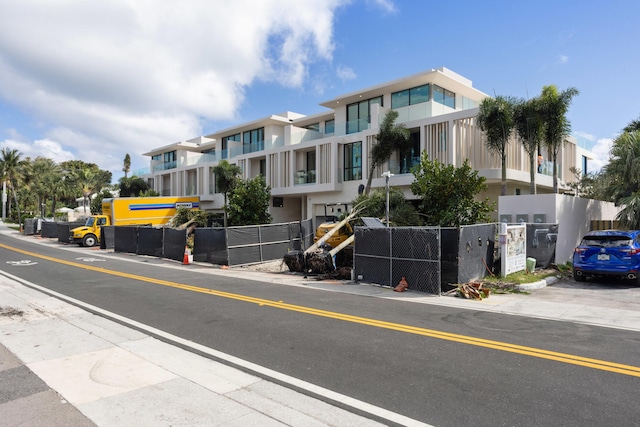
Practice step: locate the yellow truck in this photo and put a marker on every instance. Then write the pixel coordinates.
(131, 211)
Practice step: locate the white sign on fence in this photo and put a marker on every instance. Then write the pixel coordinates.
(513, 241)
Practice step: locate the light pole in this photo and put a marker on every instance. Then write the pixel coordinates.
(387, 175)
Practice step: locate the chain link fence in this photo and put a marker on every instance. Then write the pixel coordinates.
(385, 255)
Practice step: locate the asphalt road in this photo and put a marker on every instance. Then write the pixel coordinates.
(393, 354)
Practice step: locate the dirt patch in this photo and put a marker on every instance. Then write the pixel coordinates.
(11, 312)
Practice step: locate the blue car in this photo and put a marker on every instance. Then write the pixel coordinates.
(614, 253)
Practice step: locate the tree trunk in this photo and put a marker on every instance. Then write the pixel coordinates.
(503, 184)
(555, 172)
(532, 173)
(368, 187)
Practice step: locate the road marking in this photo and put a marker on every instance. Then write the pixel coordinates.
(89, 259)
(463, 339)
(22, 262)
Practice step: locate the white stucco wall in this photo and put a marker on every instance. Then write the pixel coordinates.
(572, 214)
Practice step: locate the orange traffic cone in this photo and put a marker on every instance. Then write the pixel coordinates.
(185, 259)
(402, 286)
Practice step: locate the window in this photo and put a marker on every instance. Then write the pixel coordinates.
(410, 157)
(359, 114)
(584, 165)
(225, 144)
(156, 157)
(352, 161)
(253, 140)
(443, 96)
(329, 126)
(311, 167)
(169, 159)
(315, 126)
(411, 96)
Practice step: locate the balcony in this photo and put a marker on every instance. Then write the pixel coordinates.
(305, 177)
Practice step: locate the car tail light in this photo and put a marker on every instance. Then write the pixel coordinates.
(580, 250)
(633, 251)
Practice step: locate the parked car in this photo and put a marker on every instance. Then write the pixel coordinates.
(613, 253)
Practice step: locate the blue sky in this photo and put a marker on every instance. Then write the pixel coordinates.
(94, 81)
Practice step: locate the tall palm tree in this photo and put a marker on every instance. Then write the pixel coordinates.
(622, 174)
(87, 181)
(47, 175)
(126, 167)
(495, 119)
(10, 167)
(391, 137)
(555, 105)
(226, 176)
(529, 126)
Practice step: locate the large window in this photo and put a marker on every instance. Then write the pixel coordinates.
(253, 140)
(359, 114)
(329, 126)
(410, 157)
(443, 96)
(225, 144)
(352, 161)
(170, 159)
(411, 96)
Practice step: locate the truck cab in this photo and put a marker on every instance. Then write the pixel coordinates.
(89, 233)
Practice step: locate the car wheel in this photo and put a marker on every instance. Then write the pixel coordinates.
(89, 240)
(579, 277)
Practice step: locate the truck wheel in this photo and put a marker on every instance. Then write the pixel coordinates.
(89, 240)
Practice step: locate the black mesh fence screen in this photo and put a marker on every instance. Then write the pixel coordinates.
(174, 243)
(126, 239)
(49, 230)
(64, 230)
(30, 226)
(150, 241)
(210, 245)
(252, 244)
(541, 243)
(107, 237)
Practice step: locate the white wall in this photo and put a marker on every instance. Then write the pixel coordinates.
(572, 214)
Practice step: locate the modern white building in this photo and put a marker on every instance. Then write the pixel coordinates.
(310, 161)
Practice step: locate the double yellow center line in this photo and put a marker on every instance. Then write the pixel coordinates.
(463, 339)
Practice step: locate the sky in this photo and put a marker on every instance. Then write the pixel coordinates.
(96, 80)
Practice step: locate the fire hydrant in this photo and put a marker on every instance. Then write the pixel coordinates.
(402, 286)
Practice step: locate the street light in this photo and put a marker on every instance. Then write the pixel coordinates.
(387, 175)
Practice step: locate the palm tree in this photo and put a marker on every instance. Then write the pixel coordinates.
(46, 178)
(622, 175)
(555, 105)
(390, 137)
(495, 119)
(529, 126)
(127, 165)
(87, 182)
(226, 176)
(10, 168)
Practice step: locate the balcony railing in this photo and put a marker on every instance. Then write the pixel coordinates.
(305, 177)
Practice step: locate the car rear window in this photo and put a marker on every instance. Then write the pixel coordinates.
(607, 241)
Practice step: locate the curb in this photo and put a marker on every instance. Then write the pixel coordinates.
(537, 285)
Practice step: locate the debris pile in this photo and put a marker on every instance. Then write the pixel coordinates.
(471, 290)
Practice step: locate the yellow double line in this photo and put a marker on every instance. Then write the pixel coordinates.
(463, 339)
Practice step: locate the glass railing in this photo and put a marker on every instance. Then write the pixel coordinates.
(141, 172)
(305, 177)
(403, 166)
(203, 158)
(165, 166)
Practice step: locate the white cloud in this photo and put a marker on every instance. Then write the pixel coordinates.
(601, 150)
(386, 5)
(345, 73)
(107, 78)
(38, 148)
(562, 59)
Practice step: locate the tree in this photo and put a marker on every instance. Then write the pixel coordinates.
(529, 126)
(401, 212)
(390, 137)
(10, 167)
(623, 178)
(249, 202)
(96, 203)
(86, 180)
(555, 105)
(448, 193)
(226, 176)
(132, 187)
(633, 126)
(47, 176)
(127, 165)
(495, 119)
